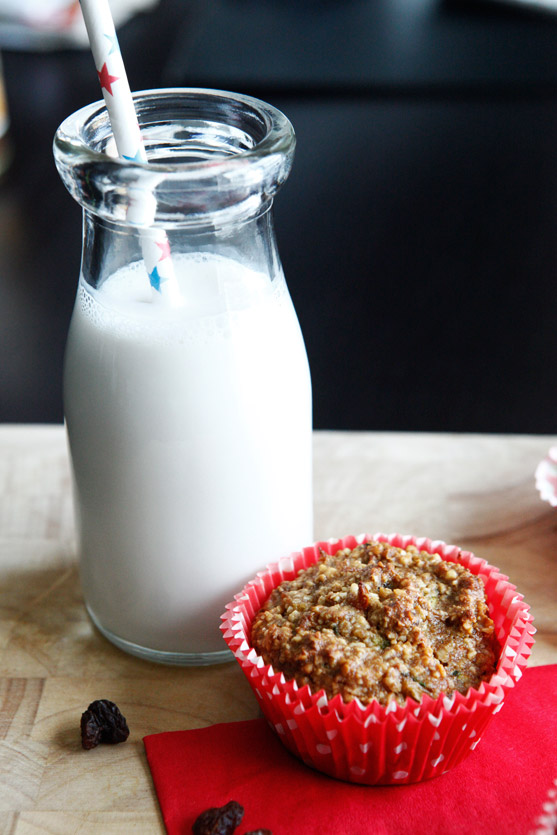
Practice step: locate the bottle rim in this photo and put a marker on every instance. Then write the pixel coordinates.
(225, 148)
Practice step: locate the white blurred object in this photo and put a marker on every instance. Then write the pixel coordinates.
(546, 477)
(534, 5)
(54, 24)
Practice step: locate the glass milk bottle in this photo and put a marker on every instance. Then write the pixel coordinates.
(188, 417)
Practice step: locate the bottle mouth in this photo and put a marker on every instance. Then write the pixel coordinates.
(208, 151)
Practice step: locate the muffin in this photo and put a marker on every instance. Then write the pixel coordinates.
(342, 723)
(379, 622)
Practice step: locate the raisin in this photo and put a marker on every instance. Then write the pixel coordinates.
(219, 820)
(103, 722)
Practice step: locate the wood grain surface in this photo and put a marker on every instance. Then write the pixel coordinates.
(475, 491)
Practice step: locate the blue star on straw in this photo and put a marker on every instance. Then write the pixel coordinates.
(156, 279)
(113, 41)
(138, 156)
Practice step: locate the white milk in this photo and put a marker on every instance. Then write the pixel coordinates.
(190, 436)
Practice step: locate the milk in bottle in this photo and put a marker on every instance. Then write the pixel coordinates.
(189, 431)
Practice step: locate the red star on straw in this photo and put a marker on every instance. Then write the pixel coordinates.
(106, 79)
(164, 247)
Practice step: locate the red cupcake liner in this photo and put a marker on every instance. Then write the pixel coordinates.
(381, 744)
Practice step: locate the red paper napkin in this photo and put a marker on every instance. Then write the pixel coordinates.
(500, 788)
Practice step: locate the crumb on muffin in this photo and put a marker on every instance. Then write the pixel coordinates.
(379, 622)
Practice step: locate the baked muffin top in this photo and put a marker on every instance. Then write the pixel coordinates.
(379, 622)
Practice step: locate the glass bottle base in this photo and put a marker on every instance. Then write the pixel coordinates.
(179, 659)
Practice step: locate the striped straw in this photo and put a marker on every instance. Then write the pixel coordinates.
(125, 127)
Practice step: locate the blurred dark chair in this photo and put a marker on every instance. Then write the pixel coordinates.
(416, 230)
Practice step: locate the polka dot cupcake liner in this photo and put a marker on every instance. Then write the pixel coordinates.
(381, 744)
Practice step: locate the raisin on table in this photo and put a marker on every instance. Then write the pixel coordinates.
(219, 820)
(103, 722)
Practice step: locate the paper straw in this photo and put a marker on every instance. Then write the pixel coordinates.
(125, 127)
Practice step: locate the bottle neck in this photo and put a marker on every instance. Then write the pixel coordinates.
(248, 239)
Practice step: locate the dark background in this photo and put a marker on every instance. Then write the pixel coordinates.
(417, 230)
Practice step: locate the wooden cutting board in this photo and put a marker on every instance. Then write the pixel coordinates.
(476, 491)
